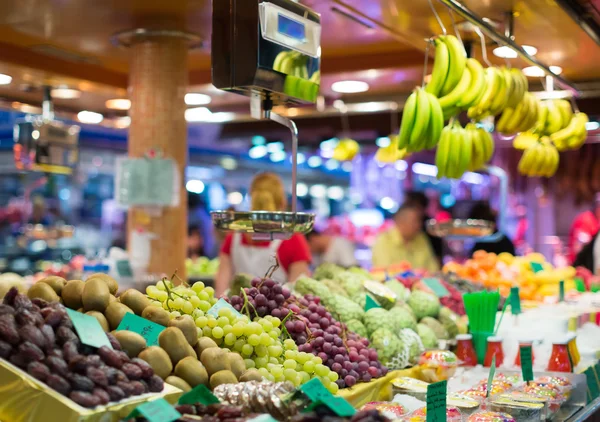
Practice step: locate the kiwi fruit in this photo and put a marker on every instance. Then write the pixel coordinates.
(191, 352)
(101, 319)
(135, 300)
(110, 282)
(57, 283)
(236, 363)
(112, 299)
(173, 341)
(222, 377)
(157, 315)
(132, 343)
(203, 344)
(191, 371)
(179, 383)
(251, 375)
(214, 360)
(115, 312)
(95, 296)
(187, 325)
(42, 291)
(71, 294)
(158, 359)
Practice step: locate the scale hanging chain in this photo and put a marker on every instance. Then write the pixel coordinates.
(437, 17)
(345, 122)
(456, 31)
(483, 46)
(429, 41)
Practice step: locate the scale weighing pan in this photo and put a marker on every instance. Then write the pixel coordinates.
(270, 51)
(460, 228)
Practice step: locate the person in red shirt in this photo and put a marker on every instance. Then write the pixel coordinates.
(241, 254)
(585, 226)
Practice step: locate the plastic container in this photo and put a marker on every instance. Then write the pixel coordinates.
(437, 365)
(559, 359)
(522, 411)
(465, 351)
(553, 397)
(411, 387)
(523, 343)
(487, 416)
(494, 348)
(466, 405)
(420, 415)
(391, 410)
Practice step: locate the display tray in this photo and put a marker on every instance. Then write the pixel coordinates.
(264, 224)
(25, 399)
(460, 228)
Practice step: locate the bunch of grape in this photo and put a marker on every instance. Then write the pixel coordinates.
(314, 330)
(39, 338)
(182, 299)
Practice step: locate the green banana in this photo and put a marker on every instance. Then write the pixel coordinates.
(502, 124)
(499, 100)
(454, 160)
(492, 87)
(441, 64)
(458, 61)
(443, 151)
(488, 144)
(423, 112)
(316, 77)
(408, 120)
(436, 122)
(451, 99)
(477, 84)
(466, 152)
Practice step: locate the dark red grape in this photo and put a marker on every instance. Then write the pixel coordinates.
(69, 350)
(33, 334)
(30, 351)
(102, 395)
(115, 393)
(110, 357)
(127, 388)
(59, 384)
(114, 375)
(94, 360)
(80, 382)
(155, 384)
(39, 302)
(19, 360)
(26, 316)
(147, 370)
(9, 297)
(84, 399)
(349, 380)
(123, 355)
(38, 370)
(8, 329)
(132, 371)
(5, 349)
(65, 334)
(57, 365)
(5, 309)
(48, 334)
(145, 384)
(185, 409)
(22, 301)
(97, 375)
(113, 341)
(137, 388)
(53, 317)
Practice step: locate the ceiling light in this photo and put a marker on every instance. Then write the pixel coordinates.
(277, 156)
(347, 166)
(314, 161)
(65, 93)
(349, 87)
(592, 126)
(332, 164)
(198, 114)
(507, 52)
(425, 169)
(538, 72)
(300, 158)
(401, 165)
(258, 140)
(335, 192)
(274, 146)
(197, 99)
(387, 203)
(235, 198)
(194, 186)
(118, 104)
(229, 163)
(318, 191)
(5, 79)
(122, 122)
(383, 142)
(258, 151)
(301, 190)
(89, 117)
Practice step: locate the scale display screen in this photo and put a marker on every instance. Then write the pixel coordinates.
(291, 28)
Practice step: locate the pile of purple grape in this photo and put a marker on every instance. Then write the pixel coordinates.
(39, 338)
(314, 330)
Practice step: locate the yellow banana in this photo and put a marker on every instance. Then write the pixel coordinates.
(518, 117)
(566, 112)
(519, 91)
(408, 120)
(442, 152)
(501, 97)
(526, 161)
(458, 61)
(554, 121)
(423, 113)
(553, 160)
(451, 99)
(541, 158)
(477, 84)
(533, 114)
(436, 122)
(510, 84)
(488, 144)
(279, 60)
(502, 124)
(540, 123)
(492, 86)
(441, 66)
(580, 137)
(525, 140)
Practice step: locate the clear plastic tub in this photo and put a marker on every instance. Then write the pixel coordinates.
(466, 405)
(522, 411)
(420, 415)
(411, 387)
(438, 365)
(488, 416)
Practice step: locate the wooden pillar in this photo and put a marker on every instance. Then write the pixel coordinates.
(157, 86)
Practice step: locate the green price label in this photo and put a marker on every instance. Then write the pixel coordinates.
(371, 303)
(124, 268)
(147, 329)
(491, 376)
(318, 394)
(561, 291)
(436, 287)
(222, 303)
(88, 329)
(536, 268)
(515, 301)
(156, 411)
(436, 401)
(526, 363)
(199, 394)
(593, 385)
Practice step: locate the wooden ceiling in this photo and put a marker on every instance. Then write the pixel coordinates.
(63, 42)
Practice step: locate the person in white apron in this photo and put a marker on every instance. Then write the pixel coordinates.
(240, 254)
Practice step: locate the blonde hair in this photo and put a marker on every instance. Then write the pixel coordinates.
(267, 193)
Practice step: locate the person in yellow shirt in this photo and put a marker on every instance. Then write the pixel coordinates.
(406, 242)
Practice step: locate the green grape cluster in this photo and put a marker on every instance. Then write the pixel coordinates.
(182, 300)
(260, 343)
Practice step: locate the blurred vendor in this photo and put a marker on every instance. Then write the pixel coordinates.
(585, 226)
(589, 256)
(482, 211)
(331, 249)
(195, 242)
(241, 254)
(405, 242)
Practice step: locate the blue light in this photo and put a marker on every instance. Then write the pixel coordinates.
(258, 140)
(447, 200)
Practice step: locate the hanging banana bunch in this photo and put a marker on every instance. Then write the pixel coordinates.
(422, 122)
(391, 153)
(520, 118)
(345, 150)
(540, 159)
(505, 88)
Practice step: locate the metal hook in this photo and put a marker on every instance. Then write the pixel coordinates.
(437, 17)
(344, 116)
(574, 104)
(456, 31)
(429, 42)
(483, 47)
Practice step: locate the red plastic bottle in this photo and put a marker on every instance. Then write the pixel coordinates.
(518, 357)
(559, 359)
(494, 347)
(465, 352)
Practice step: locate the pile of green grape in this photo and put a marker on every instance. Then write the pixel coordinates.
(260, 342)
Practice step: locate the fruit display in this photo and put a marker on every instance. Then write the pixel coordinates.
(39, 337)
(201, 267)
(504, 270)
